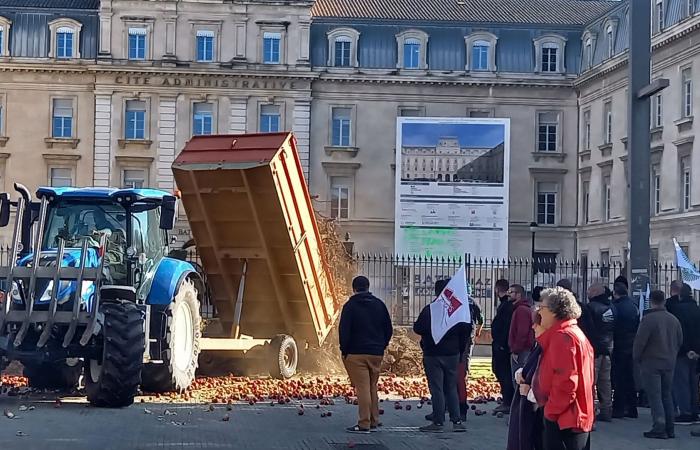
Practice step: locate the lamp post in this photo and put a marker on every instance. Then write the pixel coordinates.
(533, 230)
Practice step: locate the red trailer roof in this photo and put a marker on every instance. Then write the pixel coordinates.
(249, 149)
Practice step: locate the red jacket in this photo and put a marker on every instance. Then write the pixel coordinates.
(565, 376)
(521, 338)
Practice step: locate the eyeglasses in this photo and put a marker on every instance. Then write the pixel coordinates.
(538, 306)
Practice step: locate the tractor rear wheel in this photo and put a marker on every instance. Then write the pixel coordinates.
(285, 356)
(178, 334)
(114, 380)
(57, 375)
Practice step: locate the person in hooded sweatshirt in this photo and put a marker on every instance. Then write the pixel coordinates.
(602, 313)
(365, 331)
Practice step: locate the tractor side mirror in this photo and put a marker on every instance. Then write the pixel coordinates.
(168, 213)
(4, 209)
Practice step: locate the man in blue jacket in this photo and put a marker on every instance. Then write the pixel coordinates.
(626, 324)
(365, 331)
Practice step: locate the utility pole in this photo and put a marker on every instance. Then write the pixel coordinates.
(639, 144)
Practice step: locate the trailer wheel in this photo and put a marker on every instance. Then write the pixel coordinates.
(56, 375)
(178, 337)
(285, 355)
(113, 380)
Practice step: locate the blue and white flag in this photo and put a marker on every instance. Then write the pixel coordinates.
(689, 274)
(644, 301)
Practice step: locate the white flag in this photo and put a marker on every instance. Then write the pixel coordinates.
(644, 301)
(450, 307)
(689, 273)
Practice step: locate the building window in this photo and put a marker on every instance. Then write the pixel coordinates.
(340, 198)
(687, 94)
(655, 191)
(60, 177)
(343, 46)
(685, 186)
(133, 178)
(659, 16)
(65, 39)
(341, 129)
(607, 199)
(605, 263)
(269, 118)
(549, 54)
(135, 120)
(4, 36)
(412, 46)
(64, 42)
(657, 111)
(586, 197)
(480, 113)
(547, 131)
(205, 46)
(271, 47)
(608, 122)
(588, 52)
(62, 118)
(546, 203)
(137, 43)
(587, 130)
(610, 38)
(480, 55)
(202, 119)
(411, 54)
(411, 112)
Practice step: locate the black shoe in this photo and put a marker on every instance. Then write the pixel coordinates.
(429, 417)
(655, 435)
(618, 415)
(463, 410)
(684, 419)
(357, 429)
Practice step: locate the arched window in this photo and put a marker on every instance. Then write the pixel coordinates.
(481, 51)
(4, 36)
(610, 38)
(412, 50)
(411, 54)
(480, 55)
(65, 38)
(447, 177)
(342, 47)
(439, 177)
(588, 52)
(549, 51)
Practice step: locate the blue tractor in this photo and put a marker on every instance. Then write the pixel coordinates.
(91, 289)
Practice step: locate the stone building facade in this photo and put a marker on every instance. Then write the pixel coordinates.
(106, 92)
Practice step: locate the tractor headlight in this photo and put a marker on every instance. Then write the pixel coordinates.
(131, 252)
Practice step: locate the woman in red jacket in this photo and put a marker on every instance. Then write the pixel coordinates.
(565, 374)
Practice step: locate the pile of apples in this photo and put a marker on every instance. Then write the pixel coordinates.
(13, 381)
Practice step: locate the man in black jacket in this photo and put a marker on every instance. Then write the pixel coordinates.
(602, 314)
(685, 375)
(500, 352)
(365, 331)
(440, 362)
(626, 324)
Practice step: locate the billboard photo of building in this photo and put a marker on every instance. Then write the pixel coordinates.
(452, 187)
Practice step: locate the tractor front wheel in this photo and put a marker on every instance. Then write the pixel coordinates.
(178, 335)
(113, 381)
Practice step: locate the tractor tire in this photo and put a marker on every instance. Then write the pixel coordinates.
(53, 376)
(285, 356)
(178, 335)
(113, 382)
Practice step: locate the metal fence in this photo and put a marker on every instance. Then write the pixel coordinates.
(406, 284)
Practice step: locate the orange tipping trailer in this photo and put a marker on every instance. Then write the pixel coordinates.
(250, 214)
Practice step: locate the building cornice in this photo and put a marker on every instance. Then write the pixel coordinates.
(451, 79)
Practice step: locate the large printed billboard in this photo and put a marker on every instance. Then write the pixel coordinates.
(452, 187)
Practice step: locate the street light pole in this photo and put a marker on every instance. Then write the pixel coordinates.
(639, 145)
(533, 230)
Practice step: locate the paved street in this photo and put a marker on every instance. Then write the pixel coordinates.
(75, 426)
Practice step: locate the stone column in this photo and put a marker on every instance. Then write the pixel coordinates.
(301, 126)
(238, 123)
(166, 143)
(103, 140)
(105, 47)
(304, 36)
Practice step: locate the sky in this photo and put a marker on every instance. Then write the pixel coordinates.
(470, 135)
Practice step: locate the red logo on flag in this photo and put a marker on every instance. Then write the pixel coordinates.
(453, 303)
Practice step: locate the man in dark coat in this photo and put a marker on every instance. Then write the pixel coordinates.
(365, 331)
(440, 361)
(602, 314)
(626, 324)
(685, 376)
(500, 352)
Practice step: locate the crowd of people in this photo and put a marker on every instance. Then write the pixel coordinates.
(562, 364)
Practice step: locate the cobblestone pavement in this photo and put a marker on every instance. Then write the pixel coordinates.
(75, 426)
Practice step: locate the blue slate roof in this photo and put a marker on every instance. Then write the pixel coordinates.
(30, 34)
(675, 12)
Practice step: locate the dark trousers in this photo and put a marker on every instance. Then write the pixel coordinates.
(556, 439)
(685, 386)
(625, 392)
(658, 387)
(441, 372)
(500, 362)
